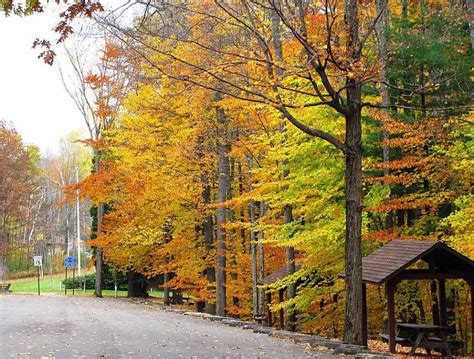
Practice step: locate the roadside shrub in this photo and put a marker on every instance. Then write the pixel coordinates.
(108, 281)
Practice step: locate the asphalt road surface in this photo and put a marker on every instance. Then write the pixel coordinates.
(75, 327)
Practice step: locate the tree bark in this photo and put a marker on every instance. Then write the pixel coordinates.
(253, 248)
(99, 257)
(209, 245)
(353, 250)
(223, 149)
(136, 285)
(290, 265)
(381, 27)
(470, 15)
(166, 290)
(353, 324)
(261, 256)
(253, 255)
(287, 210)
(208, 230)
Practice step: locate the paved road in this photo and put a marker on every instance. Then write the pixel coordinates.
(67, 327)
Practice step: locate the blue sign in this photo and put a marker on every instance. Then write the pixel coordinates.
(70, 262)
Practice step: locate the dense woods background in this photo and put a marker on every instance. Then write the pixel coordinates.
(231, 139)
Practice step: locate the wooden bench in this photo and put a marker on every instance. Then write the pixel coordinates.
(5, 287)
(404, 342)
(434, 343)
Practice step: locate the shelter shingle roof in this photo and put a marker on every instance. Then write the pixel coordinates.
(395, 256)
(280, 273)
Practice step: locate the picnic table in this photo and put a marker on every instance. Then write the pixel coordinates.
(426, 336)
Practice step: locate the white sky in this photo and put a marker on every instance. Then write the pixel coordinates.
(32, 95)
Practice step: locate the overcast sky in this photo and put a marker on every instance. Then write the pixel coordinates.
(32, 95)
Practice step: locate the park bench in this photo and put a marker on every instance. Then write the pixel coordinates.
(403, 341)
(5, 287)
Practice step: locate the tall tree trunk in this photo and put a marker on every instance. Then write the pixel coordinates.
(167, 238)
(253, 247)
(353, 256)
(470, 16)
(353, 186)
(207, 229)
(261, 256)
(243, 236)
(136, 284)
(287, 210)
(253, 255)
(209, 246)
(290, 265)
(353, 250)
(66, 237)
(232, 237)
(381, 28)
(223, 149)
(99, 258)
(166, 290)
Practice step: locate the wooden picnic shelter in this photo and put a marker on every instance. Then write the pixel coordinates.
(394, 262)
(280, 273)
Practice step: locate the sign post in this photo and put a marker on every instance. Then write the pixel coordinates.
(73, 279)
(37, 262)
(70, 262)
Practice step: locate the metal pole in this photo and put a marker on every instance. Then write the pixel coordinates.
(78, 224)
(39, 293)
(73, 279)
(65, 284)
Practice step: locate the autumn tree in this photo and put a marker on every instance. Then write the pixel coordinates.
(18, 193)
(97, 93)
(331, 73)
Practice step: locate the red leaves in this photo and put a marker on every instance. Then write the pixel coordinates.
(64, 29)
(47, 55)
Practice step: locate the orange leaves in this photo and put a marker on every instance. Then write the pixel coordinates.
(408, 202)
(96, 81)
(112, 51)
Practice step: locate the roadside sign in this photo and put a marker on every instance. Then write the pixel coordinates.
(37, 261)
(70, 262)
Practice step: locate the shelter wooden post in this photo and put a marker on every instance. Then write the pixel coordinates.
(282, 315)
(390, 291)
(269, 312)
(442, 302)
(364, 314)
